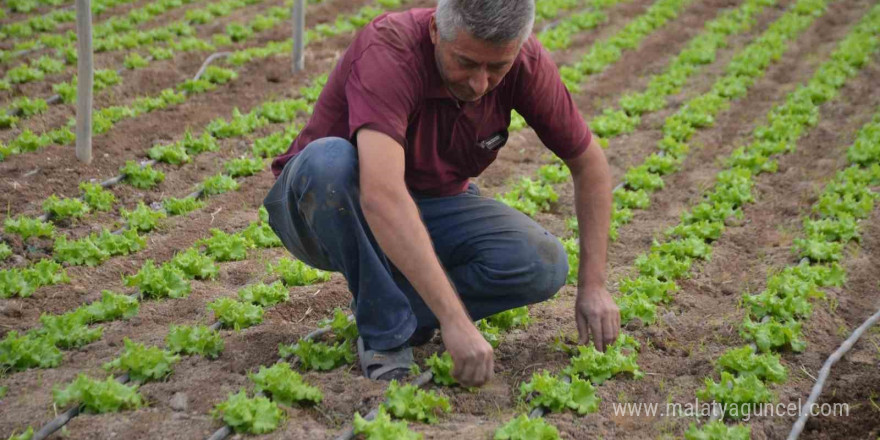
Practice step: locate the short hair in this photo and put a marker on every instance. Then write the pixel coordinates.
(495, 21)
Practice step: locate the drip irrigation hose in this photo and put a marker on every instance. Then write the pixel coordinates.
(825, 371)
(208, 62)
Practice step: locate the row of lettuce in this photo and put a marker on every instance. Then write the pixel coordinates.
(672, 260)
(40, 348)
(703, 224)
(774, 318)
(105, 118)
(97, 248)
(161, 44)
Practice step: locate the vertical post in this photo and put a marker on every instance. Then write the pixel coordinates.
(85, 75)
(299, 25)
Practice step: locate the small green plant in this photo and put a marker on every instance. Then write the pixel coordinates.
(598, 366)
(382, 427)
(165, 281)
(176, 206)
(236, 314)
(27, 227)
(18, 353)
(297, 273)
(737, 394)
(195, 265)
(143, 363)
(262, 235)
(5, 251)
(718, 430)
(508, 319)
(441, 367)
(97, 197)
(265, 295)
(141, 177)
(191, 340)
(317, 355)
(411, 403)
(218, 184)
(98, 396)
(174, 154)
(257, 415)
(225, 247)
(557, 395)
(243, 166)
(142, 218)
(69, 330)
(285, 385)
(743, 361)
(79, 252)
(66, 208)
(525, 428)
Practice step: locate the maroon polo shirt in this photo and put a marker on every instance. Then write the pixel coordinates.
(388, 81)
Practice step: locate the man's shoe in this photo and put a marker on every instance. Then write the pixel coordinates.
(385, 365)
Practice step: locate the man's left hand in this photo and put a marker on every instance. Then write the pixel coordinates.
(597, 316)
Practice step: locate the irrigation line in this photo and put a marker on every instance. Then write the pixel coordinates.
(208, 61)
(826, 370)
(65, 417)
(419, 382)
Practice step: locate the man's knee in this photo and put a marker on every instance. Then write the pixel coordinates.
(534, 268)
(328, 164)
(553, 263)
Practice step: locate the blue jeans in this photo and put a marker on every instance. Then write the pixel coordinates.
(496, 257)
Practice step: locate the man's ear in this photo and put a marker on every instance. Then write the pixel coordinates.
(432, 29)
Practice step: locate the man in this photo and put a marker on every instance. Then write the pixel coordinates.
(376, 185)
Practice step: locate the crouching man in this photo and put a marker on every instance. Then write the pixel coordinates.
(376, 185)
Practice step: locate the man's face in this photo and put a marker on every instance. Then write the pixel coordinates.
(471, 67)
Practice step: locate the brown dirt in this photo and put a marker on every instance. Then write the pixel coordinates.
(677, 350)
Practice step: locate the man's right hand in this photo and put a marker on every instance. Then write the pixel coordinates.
(472, 357)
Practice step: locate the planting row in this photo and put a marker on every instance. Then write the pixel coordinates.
(39, 348)
(106, 118)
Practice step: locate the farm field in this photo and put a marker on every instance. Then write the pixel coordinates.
(744, 134)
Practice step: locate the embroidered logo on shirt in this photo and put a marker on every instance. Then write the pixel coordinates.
(494, 142)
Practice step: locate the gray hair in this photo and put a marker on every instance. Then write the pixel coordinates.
(495, 21)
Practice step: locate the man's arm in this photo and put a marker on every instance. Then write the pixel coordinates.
(394, 219)
(595, 311)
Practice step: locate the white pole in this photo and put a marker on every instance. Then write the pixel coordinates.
(299, 25)
(85, 75)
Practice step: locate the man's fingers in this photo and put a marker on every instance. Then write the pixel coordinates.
(468, 373)
(583, 329)
(491, 365)
(457, 368)
(608, 330)
(598, 336)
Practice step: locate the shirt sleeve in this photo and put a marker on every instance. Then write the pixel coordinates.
(382, 93)
(547, 106)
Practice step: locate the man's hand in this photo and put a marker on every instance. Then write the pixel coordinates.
(472, 356)
(597, 316)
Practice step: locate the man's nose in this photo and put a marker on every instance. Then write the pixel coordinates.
(479, 82)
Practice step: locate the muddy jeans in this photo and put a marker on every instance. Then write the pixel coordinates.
(496, 257)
